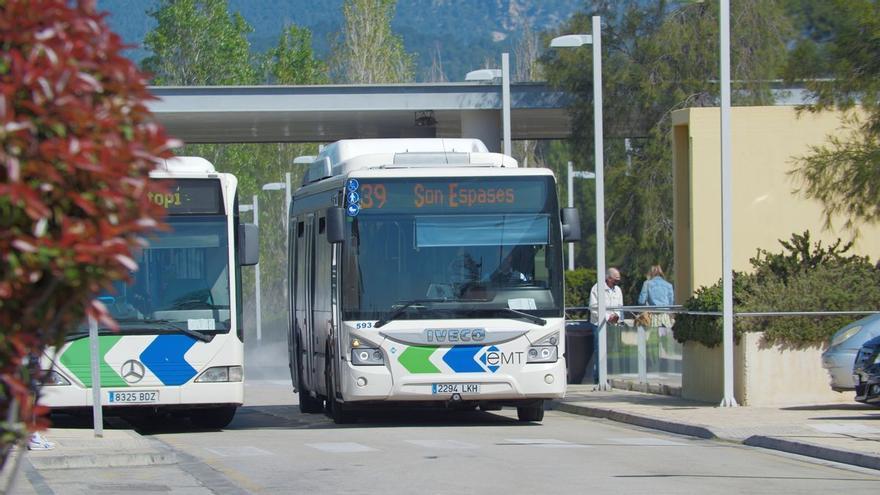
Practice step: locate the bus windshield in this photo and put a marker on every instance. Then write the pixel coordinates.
(460, 247)
(182, 281)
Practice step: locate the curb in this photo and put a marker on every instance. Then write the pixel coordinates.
(773, 443)
(109, 460)
(638, 420)
(817, 451)
(142, 455)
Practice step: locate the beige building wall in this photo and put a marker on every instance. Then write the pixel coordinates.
(766, 206)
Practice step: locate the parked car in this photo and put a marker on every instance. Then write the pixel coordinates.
(866, 372)
(845, 344)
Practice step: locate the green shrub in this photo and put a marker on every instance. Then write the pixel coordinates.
(577, 290)
(801, 278)
(706, 329)
(851, 286)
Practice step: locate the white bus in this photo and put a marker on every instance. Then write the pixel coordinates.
(426, 271)
(179, 347)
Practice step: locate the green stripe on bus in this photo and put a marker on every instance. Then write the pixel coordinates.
(76, 360)
(418, 359)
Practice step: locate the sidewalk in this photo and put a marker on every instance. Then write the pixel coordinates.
(78, 451)
(846, 433)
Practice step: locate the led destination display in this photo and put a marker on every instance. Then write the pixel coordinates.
(450, 195)
(189, 196)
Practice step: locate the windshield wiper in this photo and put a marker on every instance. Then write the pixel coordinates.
(165, 325)
(522, 314)
(399, 311)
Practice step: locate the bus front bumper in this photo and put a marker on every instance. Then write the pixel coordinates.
(532, 381)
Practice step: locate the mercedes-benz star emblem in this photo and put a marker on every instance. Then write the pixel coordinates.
(132, 371)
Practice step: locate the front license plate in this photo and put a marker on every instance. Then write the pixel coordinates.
(138, 397)
(455, 388)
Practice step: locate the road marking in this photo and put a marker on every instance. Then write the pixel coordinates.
(340, 447)
(442, 444)
(545, 443)
(647, 441)
(245, 451)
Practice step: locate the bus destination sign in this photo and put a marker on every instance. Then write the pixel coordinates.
(450, 195)
(189, 196)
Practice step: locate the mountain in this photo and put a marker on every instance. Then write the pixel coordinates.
(462, 34)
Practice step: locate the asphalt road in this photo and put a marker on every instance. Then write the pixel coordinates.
(271, 448)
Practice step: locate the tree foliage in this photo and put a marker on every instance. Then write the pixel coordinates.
(197, 42)
(367, 51)
(292, 60)
(76, 145)
(838, 59)
(657, 57)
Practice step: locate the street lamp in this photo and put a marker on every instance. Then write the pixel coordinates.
(490, 75)
(572, 41)
(275, 186)
(572, 175)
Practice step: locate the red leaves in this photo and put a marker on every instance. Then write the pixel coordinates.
(76, 145)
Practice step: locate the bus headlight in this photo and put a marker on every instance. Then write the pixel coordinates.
(367, 356)
(53, 378)
(218, 374)
(542, 354)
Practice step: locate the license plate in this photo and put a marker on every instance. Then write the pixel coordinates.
(857, 379)
(137, 397)
(455, 388)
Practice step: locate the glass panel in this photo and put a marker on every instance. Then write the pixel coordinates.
(470, 265)
(182, 280)
(485, 230)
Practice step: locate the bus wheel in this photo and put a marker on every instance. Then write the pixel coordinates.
(534, 412)
(307, 403)
(213, 418)
(336, 410)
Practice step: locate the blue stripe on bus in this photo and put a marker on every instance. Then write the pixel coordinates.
(164, 357)
(462, 359)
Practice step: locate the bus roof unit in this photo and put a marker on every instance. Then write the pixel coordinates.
(186, 165)
(343, 157)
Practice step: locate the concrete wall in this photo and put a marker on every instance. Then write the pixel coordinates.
(766, 206)
(763, 375)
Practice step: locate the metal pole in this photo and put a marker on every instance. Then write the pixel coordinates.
(286, 217)
(95, 356)
(570, 205)
(726, 208)
(257, 274)
(600, 205)
(505, 101)
(642, 352)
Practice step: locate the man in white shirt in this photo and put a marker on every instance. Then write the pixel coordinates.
(613, 298)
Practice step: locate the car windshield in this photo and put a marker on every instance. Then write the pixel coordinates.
(480, 262)
(182, 281)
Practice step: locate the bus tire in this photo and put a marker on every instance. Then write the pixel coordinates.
(533, 412)
(213, 418)
(307, 403)
(336, 410)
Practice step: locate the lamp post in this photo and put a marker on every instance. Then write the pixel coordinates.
(572, 41)
(492, 75)
(572, 174)
(280, 186)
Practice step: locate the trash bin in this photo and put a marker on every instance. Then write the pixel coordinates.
(579, 350)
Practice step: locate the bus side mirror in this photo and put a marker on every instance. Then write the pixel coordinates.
(335, 224)
(571, 225)
(250, 245)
